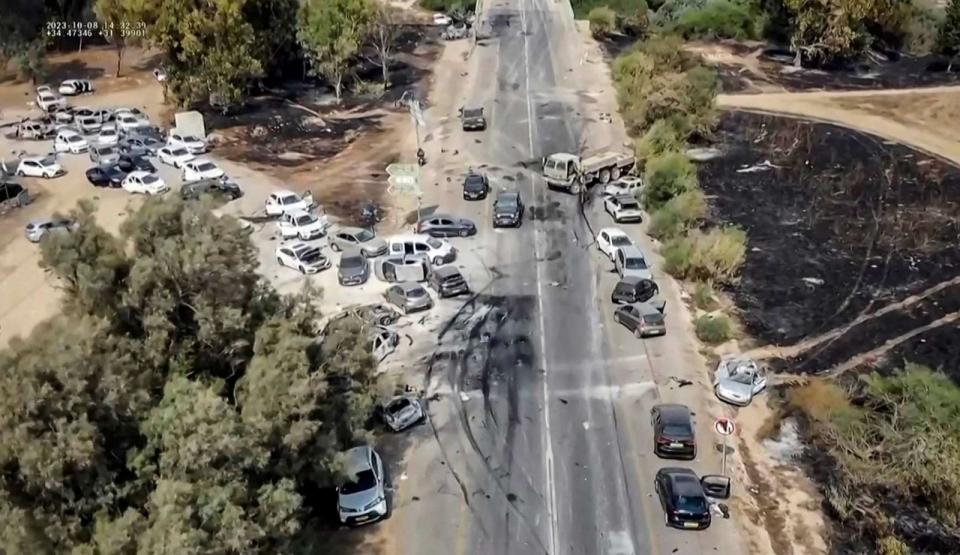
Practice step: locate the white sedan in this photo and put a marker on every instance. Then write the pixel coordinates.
(610, 239)
(304, 225)
(284, 202)
(144, 182)
(174, 156)
(128, 122)
(72, 87)
(70, 141)
(304, 257)
(198, 169)
(192, 144)
(40, 166)
(108, 135)
(49, 101)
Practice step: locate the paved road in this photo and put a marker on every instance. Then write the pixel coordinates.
(539, 439)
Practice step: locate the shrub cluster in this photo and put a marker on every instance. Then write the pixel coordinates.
(603, 21)
(731, 19)
(713, 329)
(713, 255)
(678, 215)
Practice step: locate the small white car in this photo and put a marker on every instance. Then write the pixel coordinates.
(610, 239)
(72, 87)
(437, 251)
(303, 257)
(108, 135)
(40, 166)
(194, 145)
(628, 185)
(144, 182)
(44, 89)
(441, 19)
(127, 122)
(68, 140)
(49, 101)
(623, 208)
(304, 225)
(174, 156)
(160, 74)
(201, 168)
(284, 202)
(737, 380)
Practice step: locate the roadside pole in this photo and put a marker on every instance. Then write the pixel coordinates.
(724, 427)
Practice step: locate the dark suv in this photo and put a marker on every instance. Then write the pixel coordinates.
(475, 187)
(215, 187)
(508, 209)
(447, 281)
(673, 435)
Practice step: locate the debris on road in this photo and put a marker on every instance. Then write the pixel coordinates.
(680, 381)
(464, 397)
(766, 165)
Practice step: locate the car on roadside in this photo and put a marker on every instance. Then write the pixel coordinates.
(472, 119)
(402, 413)
(626, 185)
(106, 176)
(146, 183)
(88, 125)
(375, 314)
(642, 319)
(475, 186)
(353, 268)
(445, 225)
(44, 89)
(361, 497)
(104, 155)
(408, 296)
(630, 261)
(674, 435)
(220, 188)
(81, 111)
(447, 281)
(133, 162)
(366, 240)
(609, 239)
(623, 208)
(37, 229)
(508, 209)
(303, 225)
(48, 101)
(636, 289)
(436, 251)
(174, 156)
(683, 498)
(402, 267)
(383, 342)
(193, 145)
(283, 202)
(737, 380)
(303, 257)
(69, 140)
(140, 144)
(40, 166)
(73, 87)
(201, 168)
(108, 135)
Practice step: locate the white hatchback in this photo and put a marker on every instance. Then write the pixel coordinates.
(284, 202)
(40, 166)
(71, 141)
(145, 183)
(198, 169)
(610, 239)
(174, 156)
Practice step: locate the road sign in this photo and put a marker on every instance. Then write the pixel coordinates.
(724, 426)
(403, 170)
(404, 178)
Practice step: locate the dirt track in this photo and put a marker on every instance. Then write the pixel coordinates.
(927, 119)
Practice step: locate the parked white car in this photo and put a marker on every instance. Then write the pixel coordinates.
(144, 182)
(194, 145)
(628, 185)
(49, 101)
(108, 135)
(174, 156)
(437, 251)
(304, 225)
(441, 19)
(201, 168)
(612, 238)
(284, 202)
(623, 208)
(135, 113)
(737, 380)
(40, 166)
(303, 257)
(72, 87)
(127, 122)
(68, 140)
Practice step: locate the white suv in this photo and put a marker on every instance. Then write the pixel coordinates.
(437, 251)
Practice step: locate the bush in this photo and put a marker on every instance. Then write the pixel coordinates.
(637, 22)
(369, 89)
(671, 11)
(603, 21)
(703, 297)
(665, 177)
(665, 135)
(922, 28)
(713, 328)
(715, 255)
(623, 8)
(730, 19)
(447, 6)
(678, 214)
(948, 40)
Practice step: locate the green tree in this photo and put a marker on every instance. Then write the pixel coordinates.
(31, 60)
(384, 29)
(274, 23)
(825, 31)
(949, 39)
(667, 176)
(603, 21)
(113, 15)
(331, 33)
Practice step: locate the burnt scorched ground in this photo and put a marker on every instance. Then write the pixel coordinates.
(839, 224)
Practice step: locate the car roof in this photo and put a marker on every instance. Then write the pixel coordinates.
(350, 230)
(674, 412)
(632, 251)
(200, 161)
(447, 271)
(673, 471)
(40, 221)
(626, 197)
(409, 285)
(613, 231)
(410, 237)
(508, 194)
(632, 279)
(351, 252)
(283, 192)
(298, 245)
(438, 215)
(357, 460)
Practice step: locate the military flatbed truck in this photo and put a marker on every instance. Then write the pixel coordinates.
(573, 173)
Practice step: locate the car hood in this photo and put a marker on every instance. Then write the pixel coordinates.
(643, 274)
(361, 499)
(376, 244)
(353, 271)
(505, 211)
(735, 389)
(409, 414)
(418, 301)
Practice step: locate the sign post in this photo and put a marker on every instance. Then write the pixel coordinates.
(405, 179)
(725, 427)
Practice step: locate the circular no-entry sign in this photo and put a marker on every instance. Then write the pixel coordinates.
(724, 426)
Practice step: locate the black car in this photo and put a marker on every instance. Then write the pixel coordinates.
(447, 281)
(133, 162)
(475, 187)
(106, 176)
(634, 289)
(508, 209)
(140, 145)
(217, 187)
(683, 499)
(673, 432)
(443, 225)
(472, 119)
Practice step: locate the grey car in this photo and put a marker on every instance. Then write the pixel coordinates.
(37, 229)
(409, 296)
(445, 225)
(402, 413)
(354, 268)
(104, 155)
(140, 144)
(642, 319)
(447, 281)
(364, 239)
(374, 314)
(635, 289)
(361, 497)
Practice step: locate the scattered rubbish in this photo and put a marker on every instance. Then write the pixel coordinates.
(761, 167)
(464, 397)
(511, 497)
(724, 509)
(414, 498)
(555, 284)
(586, 425)
(812, 281)
(564, 401)
(754, 490)
(680, 381)
(703, 154)
(403, 476)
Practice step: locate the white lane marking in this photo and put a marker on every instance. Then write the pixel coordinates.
(618, 543)
(548, 440)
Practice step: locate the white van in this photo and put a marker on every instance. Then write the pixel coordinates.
(437, 251)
